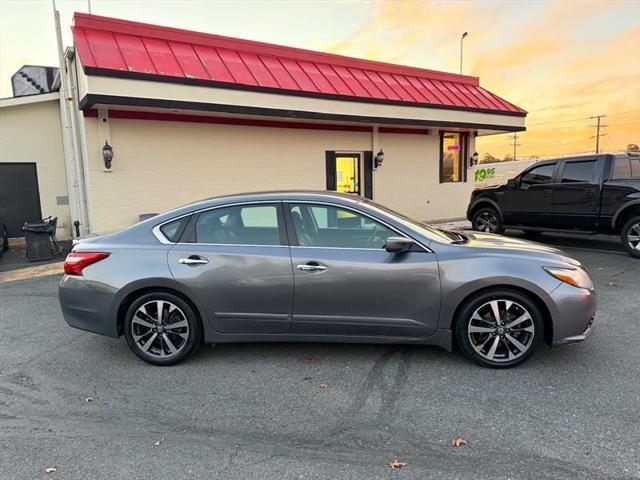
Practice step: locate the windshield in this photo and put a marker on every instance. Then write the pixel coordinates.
(423, 228)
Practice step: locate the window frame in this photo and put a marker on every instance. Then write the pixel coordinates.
(464, 141)
(190, 227)
(293, 237)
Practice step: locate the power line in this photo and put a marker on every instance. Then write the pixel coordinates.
(581, 118)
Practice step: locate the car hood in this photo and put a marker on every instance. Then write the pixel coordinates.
(498, 243)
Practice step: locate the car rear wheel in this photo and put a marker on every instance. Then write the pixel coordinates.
(499, 328)
(487, 220)
(630, 236)
(161, 328)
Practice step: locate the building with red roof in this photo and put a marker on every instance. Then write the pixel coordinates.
(159, 117)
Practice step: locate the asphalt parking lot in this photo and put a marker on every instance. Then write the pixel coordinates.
(256, 411)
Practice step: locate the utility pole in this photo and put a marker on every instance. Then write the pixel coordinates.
(598, 126)
(461, 47)
(515, 144)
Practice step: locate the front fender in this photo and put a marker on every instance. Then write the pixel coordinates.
(621, 209)
(462, 277)
(483, 200)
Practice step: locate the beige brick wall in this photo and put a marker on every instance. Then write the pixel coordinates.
(31, 133)
(161, 165)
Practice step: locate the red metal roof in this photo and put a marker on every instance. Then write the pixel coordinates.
(112, 46)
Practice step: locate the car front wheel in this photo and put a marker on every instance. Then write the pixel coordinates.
(487, 220)
(161, 328)
(630, 236)
(499, 328)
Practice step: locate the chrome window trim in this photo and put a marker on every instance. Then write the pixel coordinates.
(160, 236)
(162, 239)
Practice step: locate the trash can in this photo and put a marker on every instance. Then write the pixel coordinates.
(39, 237)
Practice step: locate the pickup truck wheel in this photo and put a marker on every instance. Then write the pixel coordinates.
(487, 220)
(630, 236)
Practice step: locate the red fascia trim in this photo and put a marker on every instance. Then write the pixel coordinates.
(175, 117)
(116, 25)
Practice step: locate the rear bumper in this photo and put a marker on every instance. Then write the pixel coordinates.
(574, 316)
(87, 305)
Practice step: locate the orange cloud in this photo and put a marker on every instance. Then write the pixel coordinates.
(547, 57)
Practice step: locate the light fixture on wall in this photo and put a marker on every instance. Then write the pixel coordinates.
(474, 159)
(107, 155)
(379, 158)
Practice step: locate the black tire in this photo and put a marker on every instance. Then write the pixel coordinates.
(4, 239)
(531, 340)
(192, 330)
(487, 220)
(627, 233)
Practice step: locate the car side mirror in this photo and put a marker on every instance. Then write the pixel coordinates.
(398, 244)
(512, 183)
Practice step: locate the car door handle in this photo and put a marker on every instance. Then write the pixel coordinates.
(311, 267)
(193, 260)
(546, 193)
(590, 191)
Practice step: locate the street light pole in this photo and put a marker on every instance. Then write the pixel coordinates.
(461, 48)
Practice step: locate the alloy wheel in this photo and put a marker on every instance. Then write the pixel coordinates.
(160, 329)
(501, 330)
(487, 222)
(633, 236)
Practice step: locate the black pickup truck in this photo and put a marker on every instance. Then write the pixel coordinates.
(586, 194)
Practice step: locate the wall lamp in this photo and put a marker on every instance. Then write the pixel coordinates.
(107, 155)
(378, 159)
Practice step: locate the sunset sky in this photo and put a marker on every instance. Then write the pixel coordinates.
(561, 61)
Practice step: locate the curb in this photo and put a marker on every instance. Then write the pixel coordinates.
(32, 272)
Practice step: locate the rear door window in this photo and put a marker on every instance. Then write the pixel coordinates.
(578, 172)
(635, 167)
(537, 176)
(240, 225)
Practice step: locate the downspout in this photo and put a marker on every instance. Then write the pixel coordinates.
(73, 186)
(78, 136)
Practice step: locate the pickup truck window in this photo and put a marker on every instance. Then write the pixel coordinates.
(625, 167)
(576, 172)
(537, 176)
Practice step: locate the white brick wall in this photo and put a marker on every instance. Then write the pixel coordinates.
(160, 165)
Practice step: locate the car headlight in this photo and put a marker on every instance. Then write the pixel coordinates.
(576, 277)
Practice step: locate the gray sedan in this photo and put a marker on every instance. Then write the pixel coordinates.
(321, 267)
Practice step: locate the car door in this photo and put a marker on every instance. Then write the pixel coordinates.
(346, 283)
(528, 201)
(575, 199)
(235, 262)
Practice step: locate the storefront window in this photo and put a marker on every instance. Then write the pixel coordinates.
(451, 161)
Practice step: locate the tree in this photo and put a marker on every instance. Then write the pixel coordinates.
(507, 158)
(488, 158)
(633, 148)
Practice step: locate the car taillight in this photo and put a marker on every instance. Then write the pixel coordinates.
(76, 261)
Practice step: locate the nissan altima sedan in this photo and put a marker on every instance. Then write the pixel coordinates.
(321, 267)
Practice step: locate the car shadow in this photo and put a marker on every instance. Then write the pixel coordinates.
(568, 240)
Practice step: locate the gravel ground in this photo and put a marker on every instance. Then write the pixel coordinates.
(255, 411)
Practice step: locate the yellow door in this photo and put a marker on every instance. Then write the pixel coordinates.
(348, 174)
